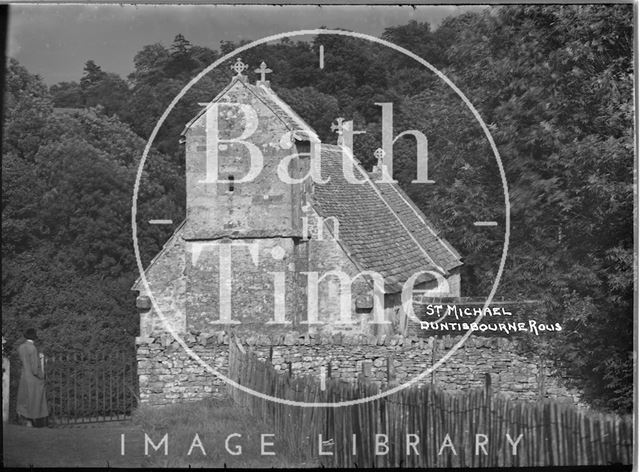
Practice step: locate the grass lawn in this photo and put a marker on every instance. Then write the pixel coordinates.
(87, 445)
(213, 421)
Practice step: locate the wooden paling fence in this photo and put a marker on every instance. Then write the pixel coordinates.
(424, 426)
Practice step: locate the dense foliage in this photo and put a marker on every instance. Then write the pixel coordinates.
(553, 83)
(68, 263)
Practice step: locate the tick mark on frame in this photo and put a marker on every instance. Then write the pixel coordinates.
(160, 222)
(485, 223)
(321, 56)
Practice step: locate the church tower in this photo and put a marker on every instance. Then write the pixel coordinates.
(245, 154)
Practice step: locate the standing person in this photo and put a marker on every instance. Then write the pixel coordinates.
(32, 402)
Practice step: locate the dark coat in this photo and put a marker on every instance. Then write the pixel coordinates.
(31, 402)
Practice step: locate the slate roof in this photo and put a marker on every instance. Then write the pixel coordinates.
(380, 228)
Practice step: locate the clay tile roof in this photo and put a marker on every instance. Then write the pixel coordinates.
(379, 227)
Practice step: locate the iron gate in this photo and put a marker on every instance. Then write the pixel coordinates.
(91, 387)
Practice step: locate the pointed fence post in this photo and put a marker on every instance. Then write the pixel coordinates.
(365, 373)
(541, 380)
(391, 370)
(488, 398)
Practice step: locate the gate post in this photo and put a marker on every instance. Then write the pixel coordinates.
(5, 385)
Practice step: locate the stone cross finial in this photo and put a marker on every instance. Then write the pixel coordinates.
(379, 155)
(338, 128)
(380, 168)
(348, 126)
(239, 67)
(263, 70)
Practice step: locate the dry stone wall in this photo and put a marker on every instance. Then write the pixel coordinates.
(167, 373)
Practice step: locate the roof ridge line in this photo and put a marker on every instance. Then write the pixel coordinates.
(381, 197)
(206, 107)
(285, 106)
(420, 217)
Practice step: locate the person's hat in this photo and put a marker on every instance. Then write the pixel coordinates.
(31, 334)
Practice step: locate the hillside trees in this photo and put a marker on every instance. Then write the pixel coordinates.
(96, 87)
(555, 84)
(67, 183)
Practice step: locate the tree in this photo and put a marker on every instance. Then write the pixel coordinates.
(180, 63)
(318, 109)
(418, 38)
(92, 75)
(555, 82)
(149, 64)
(66, 193)
(111, 92)
(67, 95)
(96, 88)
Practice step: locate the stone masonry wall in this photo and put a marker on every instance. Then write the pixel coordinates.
(168, 374)
(264, 203)
(247, 271)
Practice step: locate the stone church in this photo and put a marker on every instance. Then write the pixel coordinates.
(309, 270)
(254, 255)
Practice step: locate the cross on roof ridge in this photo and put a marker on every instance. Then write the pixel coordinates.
(379, 155)
(337, 127)
(263, 70)
(239, 67)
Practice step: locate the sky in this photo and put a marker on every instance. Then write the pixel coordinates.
(55, 41)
